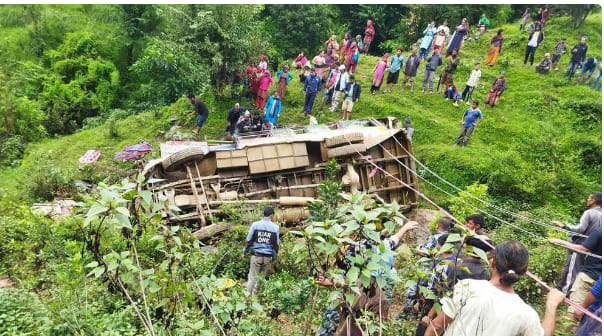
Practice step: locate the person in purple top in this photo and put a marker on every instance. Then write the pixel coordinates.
(410, 69)
(471, 118)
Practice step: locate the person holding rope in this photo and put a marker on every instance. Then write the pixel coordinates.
(473, 310)
(591, 219)
(592, 267)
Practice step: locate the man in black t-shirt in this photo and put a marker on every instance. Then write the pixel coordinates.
(592, 266)
(201, 110)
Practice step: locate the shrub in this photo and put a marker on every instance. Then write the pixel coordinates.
(21, 313)
(11, 150)
(43, 179)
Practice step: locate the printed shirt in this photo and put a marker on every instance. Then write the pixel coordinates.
(312, 84)
(471, 116)
(395, 64)
(560, 48)
(474, 77)
(263, 237)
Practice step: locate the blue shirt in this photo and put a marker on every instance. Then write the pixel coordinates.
(471, 116)
(596, 291)
(395, 64)
(312, 84)
(273, 109)
(263, 237)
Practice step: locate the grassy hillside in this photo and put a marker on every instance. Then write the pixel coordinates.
(540, 147)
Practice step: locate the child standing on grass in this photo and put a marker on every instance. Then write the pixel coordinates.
(559, 49)
(471, 84)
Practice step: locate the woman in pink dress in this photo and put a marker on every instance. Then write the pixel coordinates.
(378, 74)
(264, 83)
(351, 65)
(369, 35)
(319, 63)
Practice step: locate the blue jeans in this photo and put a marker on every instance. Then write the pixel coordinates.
(597, 81)
(423, 52)
(584, 70)
(201, 119)
(572, 67)
(309, 100)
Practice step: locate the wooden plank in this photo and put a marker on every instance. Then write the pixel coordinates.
(202, 218)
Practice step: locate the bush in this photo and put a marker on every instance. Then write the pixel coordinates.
(21, 313)
(11, 150)
(43, 179)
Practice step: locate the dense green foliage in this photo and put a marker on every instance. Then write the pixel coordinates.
(115, 74)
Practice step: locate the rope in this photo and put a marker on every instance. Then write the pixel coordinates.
(445, 212)
(508, 212)
(476, 208)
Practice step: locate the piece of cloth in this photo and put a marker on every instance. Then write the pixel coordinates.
(581, 287)
(257, 264)
(133, 151)
(593, 266)
(481, 309)
(90, 156)
(474, 77)
(492, 55)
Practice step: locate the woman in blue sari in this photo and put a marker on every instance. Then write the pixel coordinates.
(457, 40)
(426, 45)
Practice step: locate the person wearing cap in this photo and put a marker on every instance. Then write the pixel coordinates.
(472, 306)
(470, 119)
(272, 109)
(338, 87)
(353, 93)
(471, 84)
(578, 54)
(264, 83)
(283, 78)
(311, 119)
(544, 66)
(311, 87)
(410, 69)
(202, 112)
(395, 66)
(559, 49)
(497, 89)
(245, 123)
(263, 242)
(534, 40)
(378, 73)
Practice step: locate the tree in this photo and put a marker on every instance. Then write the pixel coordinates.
(578, 13)
(294, 27)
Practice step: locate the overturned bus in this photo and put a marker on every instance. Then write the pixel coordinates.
(284, 167)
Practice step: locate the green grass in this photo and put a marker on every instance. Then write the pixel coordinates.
(530, 152)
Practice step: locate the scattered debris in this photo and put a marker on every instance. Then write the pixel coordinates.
(90, 156)
(133, 151)
(59, 208)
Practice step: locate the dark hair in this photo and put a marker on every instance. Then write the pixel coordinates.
(399, 48)
(597, 196)
(511, 261)
(442, 239)
(444, 223)
(500, 31)
(476, 242)
(454, 230)
(475, 101)
(351, 77)
(477, 219)
(190, 96)
(268, 211)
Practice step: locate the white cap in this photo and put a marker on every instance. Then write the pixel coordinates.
(342, 67)
(247, 113)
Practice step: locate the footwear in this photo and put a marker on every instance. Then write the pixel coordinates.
(411, 91)
(431, 92)
(467, 103)
(423, 90)
(455, 104)
(455, 144)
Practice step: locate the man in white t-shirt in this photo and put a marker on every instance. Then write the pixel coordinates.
(535, 39)
(490, 308)
(471, 84)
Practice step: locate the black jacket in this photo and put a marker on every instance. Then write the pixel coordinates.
(356, 90)
(579, 55)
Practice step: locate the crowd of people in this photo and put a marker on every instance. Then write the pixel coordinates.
(464, 279)
(331, 73)
(481, 295)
